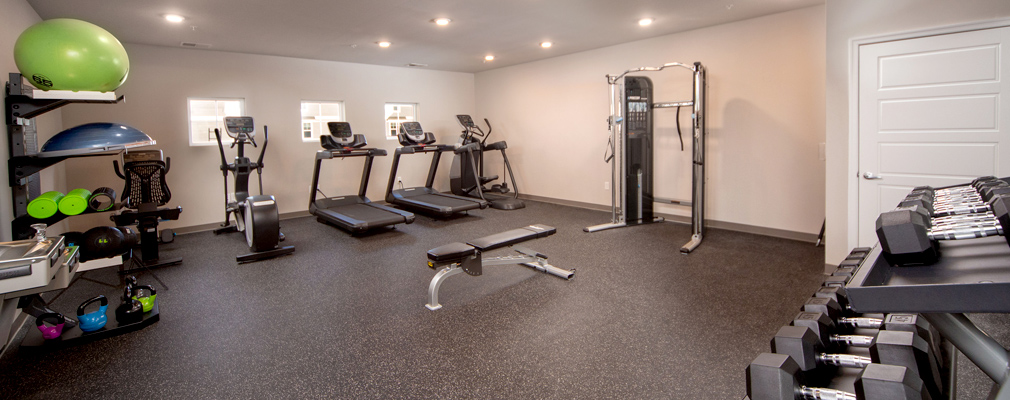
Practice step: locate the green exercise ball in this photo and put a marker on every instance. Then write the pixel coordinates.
(70, 54)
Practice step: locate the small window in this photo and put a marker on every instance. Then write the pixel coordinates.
(315, 115)
(206, 114)
(397, 113)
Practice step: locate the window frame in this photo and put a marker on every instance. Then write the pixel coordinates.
(219, 119)
(391, 130)
(319, 120)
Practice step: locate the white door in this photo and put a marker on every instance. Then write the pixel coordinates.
(930, 113)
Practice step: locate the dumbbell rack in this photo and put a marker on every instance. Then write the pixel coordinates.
(834, 289)
(971, 276)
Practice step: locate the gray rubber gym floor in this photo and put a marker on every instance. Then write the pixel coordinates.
(344, 317)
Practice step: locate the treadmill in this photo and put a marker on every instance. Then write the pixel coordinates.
(426, 200)
(354, 214)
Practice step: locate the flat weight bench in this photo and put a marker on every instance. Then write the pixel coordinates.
(466, 257)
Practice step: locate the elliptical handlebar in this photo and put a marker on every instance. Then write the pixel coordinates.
(486, 134)
(259, 161)
(225, 167)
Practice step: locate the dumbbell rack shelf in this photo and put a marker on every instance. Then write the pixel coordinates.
(22, 104)
(34, 342)
(972, 276)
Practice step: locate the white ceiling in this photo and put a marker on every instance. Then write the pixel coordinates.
(347, 30)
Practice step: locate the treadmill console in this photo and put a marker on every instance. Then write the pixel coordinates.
(239, 127)
(411, 134)
(341, 136)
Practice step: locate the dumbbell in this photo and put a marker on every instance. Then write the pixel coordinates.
(839, 307)
(907, 237)
(843, 317)
(978, 204)
(959, 189)
(777, 377)
(926, 361)
(979, 194)
(900, 348)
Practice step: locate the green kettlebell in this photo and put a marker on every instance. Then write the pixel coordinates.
(148, 300)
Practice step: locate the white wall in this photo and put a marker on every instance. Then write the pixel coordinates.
(855, 19)
(765, 121)
(162, 78)
(17, 16)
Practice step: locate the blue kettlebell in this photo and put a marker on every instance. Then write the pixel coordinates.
(94, 320)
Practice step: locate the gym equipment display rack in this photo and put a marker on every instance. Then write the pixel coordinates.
(22, 104)
(634, 207)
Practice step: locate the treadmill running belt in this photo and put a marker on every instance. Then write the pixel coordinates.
(442, 202)
(360, 216)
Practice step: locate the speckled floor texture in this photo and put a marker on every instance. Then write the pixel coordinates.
(344, 317)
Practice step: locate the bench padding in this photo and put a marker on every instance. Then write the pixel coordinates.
(508, 238)
(455, 251)
(451, 251)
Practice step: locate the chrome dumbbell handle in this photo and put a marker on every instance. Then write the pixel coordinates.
(966, 233)
(844, 360)
(825, 394)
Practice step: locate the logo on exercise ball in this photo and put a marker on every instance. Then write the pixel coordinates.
(42, 80)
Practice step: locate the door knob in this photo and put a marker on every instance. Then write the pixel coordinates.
(870, 175)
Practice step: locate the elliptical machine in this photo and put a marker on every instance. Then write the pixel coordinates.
(463, 182)
(256, 216)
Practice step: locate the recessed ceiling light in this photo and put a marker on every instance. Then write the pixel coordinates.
(441, 21)
(384, 44)
(546, 44)
(645, 21)
(174, 18)
(488, 58)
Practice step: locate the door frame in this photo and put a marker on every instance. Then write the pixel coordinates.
(852, 200)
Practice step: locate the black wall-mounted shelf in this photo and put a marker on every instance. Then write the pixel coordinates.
(22, 103)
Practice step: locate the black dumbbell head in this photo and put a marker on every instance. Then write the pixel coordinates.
(990, 192)
(820, 323)
(924, 189)
(905, 232)
(919, 200)
(836, 293)
(909, 323)
(901, 348)
(878, 382)
(772, 377)
(800, 343)
(982, 179)
(825, 305)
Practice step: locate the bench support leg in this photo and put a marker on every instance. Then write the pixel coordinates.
(543, 266)
(436, 282)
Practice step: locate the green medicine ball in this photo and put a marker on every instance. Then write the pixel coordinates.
(70, 54)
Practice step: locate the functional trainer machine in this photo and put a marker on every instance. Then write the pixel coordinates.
(631, 129)
(462, 180)
(466, 257)
(256, 216)
(354, 214)
(426, 199)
